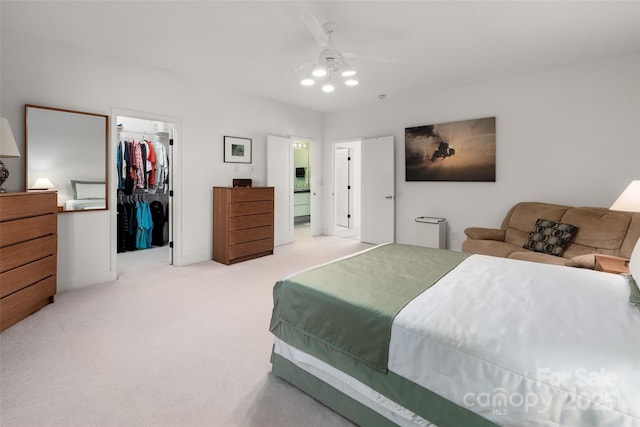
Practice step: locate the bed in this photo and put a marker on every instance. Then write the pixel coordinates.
(413, 336)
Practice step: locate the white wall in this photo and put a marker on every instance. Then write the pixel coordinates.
(568, 135)
(42, 72)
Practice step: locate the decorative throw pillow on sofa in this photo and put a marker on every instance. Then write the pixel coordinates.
(583, 261)
(550, 237)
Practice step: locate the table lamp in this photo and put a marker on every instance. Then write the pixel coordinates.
(8, 148)
(629, 200)
(43, 184)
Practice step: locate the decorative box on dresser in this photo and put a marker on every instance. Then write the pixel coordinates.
(242, 223)
(28, 253)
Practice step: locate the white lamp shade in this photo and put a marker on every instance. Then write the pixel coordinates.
(629, 200)
(8, 146)
(43, 183)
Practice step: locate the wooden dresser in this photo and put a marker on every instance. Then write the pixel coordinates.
(28, 254)
(242, 223)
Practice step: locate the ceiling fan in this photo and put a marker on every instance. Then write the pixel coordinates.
(331, 61)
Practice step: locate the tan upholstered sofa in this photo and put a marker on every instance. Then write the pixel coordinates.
(599, 231)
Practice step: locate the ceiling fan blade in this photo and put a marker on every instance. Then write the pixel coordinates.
(370, 57)
(317, 31)
(306, 66)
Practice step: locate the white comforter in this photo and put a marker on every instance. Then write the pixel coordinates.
(525, 343)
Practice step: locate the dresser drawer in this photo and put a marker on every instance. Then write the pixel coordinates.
(250, 221)
(251, 194)
(20, 205)
(250, 208)
(19, 230)
(250, 234)
(23, 253)
(15, 279)
(256, 247)
(20, 304)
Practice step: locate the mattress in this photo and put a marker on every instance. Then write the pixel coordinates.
(507, 342)
(524, 343)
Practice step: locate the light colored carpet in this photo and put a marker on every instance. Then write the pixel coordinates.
(161, 346)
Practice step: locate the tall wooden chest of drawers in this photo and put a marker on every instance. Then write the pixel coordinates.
(28, 254)
(242, 223)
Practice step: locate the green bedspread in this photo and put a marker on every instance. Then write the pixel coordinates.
(350, 304)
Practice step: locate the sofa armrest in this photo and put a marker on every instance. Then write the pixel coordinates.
(481, 233)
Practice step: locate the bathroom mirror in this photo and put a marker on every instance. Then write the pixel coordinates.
(67, 151)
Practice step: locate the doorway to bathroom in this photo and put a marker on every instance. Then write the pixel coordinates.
(302, 189)
(291, 205)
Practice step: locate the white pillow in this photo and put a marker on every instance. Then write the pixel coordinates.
(634, 262)
(88, 190)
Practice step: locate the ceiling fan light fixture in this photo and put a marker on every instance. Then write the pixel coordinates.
(331, 61)
(328, 86)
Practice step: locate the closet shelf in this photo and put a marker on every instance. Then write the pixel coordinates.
(144, 133)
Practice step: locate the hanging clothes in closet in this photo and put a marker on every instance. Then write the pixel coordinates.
(145, 225)
(142, 170)
(142, 165)
(127, 226)
(158, 218)
(136, 228)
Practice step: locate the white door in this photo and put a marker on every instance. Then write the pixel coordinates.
(315, 207)
(342, 187)
(378, 190)
(280, 176)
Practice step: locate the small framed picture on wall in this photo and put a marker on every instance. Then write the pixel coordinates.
(237, 150)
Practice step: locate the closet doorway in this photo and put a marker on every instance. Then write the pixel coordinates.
(144, 160)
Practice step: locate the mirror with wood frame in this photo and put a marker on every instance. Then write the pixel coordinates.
(66, 150)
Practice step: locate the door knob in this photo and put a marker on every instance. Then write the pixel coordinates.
(388, 197)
